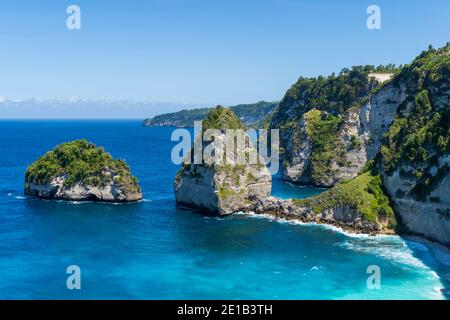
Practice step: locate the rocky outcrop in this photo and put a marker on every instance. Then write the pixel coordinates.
(298, 149)
(222, 187)
(222, 190)
(79, 171)
(200, 190)
(348, 147)
(358, 138)
(343, 216)
(330, 134)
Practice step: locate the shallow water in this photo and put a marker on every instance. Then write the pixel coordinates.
(152, 249)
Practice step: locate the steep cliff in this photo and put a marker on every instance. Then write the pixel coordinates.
(227, 186)
(416, 149)
(324, 122)
(400, 126)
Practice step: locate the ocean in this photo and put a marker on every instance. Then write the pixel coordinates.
(155, 250)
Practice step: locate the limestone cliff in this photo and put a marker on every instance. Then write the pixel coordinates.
(330, 126)
(416, 149)
(380, 141)
(401, 126)
(222, 187)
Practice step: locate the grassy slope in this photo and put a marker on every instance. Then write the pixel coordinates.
(363, 194)
(322, 129)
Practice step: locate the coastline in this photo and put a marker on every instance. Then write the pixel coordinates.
(337, 226)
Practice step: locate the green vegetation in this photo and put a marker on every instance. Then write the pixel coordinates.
(221, 118)
(322, 129)
(250, 114)
(363, 194)
(370, 165)
(183, 118)
(80, 162)
(264, 123)
(390, 68)
(225, 193)
(251, 178)
(334, 94)
(420, 131)
(355, 142)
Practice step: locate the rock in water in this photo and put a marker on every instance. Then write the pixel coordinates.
(227, 187)
(79, 171)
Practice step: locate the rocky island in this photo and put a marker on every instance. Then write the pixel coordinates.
(80, 171)
(222, 188)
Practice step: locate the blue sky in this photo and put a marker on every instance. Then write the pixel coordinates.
(201, 52)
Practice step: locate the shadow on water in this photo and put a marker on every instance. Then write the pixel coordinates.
(434, 256)
(74, 207)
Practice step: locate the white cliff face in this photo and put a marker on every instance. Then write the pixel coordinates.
(195, 187)
(55, 189)
(419, 186)
(222, 189)
(381, 77)
(351, 136)
(376, 116)
(299, 147)
(428, 217)
(360, 136)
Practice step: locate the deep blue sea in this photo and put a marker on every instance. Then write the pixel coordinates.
(154, 250)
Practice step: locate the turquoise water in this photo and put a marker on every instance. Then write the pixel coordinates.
(154, 250)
